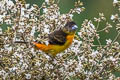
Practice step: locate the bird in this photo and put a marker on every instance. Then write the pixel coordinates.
(59, 40)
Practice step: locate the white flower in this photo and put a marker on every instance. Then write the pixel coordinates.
(45, 10)
(47, 1)
(26, 15)
(91, 25)
(21, 30)
(79, 67)
(9, 4)
(78, 10)
(28, 76)
(21, 23)
(46, 30)
(112, 58)
(71, 73)
(32, 50)
(109, 41)
(32, 31)
(22, 11)
(0, 31)
(71, 16)
(46, 42)
(24, 66)
(115, 1)
(2, 72)
(8, 21)
(94, 53)
(13, 69)
(27, 5)
(112, 17)
(8, 47)
(1, 18)
(46, 26)
(18, 55)
(80, 34)
(31, 9)
(48, 57)
(63, 16)
(53, 17)
(37, 63)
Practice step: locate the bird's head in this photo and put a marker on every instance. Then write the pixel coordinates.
(70, 27)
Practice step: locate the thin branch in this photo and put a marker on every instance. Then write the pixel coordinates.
(3, 35)
(1, 44)
(116, 37)
(99, 42)
(98, 45)
(24, 40)
(58, 1)
(98, 25)
(103, 29)
(21, 42)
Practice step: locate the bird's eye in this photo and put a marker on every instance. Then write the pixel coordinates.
(74, 27)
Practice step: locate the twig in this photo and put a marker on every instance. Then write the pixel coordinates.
(116, 37)
(21, 42)
(98, 45)
(98, 25)
(58, 1)
(3, 34)
(103, 29)
(99, 42)
(1, 44)
(24, 40)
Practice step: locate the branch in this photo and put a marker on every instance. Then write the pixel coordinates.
(103, 29)
(21, 42)
(1, 44)
(116, 38)
(24, 40)
(3, 34)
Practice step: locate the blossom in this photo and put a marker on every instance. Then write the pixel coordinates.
(33, 31)
(94, 53)
(108, 41)
(45, 10)
(10, 4)
(1, 18)
(47, 1)
(115, 1)
(13, 69)
(28, 76)
(112, 17)
(0, 31)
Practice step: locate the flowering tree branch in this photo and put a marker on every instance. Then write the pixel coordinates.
(84, 60)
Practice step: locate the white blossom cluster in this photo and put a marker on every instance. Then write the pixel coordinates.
(84, 60)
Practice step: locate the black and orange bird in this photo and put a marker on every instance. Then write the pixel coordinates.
(59, 40)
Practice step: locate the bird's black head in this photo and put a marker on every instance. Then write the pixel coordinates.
(70, 27)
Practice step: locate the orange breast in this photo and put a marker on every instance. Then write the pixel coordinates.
(59, 48)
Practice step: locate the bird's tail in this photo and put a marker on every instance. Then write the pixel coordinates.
(42, 47)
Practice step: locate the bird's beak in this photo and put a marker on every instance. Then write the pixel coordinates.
(74, 27)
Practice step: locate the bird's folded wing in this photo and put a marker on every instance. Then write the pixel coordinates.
(57, 37)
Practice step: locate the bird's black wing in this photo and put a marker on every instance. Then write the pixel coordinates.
(57, 37)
